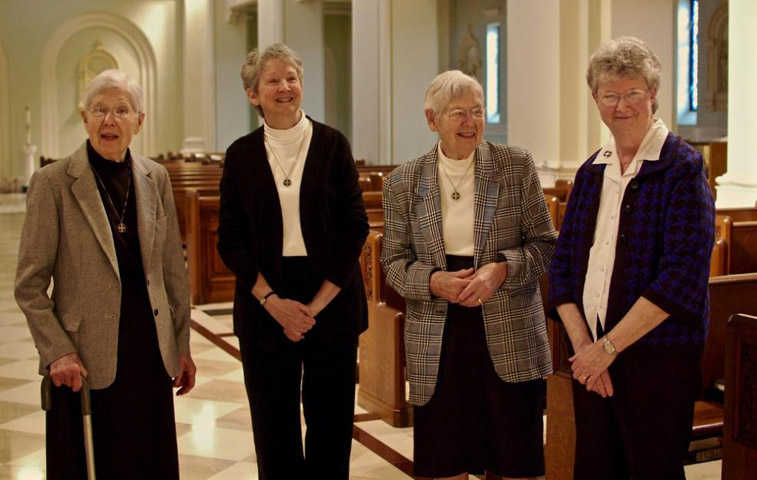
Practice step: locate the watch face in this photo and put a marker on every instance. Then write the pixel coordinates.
(609, 347)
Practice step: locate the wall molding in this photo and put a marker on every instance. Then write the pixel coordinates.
(147, 75)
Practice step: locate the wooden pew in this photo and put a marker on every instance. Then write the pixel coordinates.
(742, 214)
(210, 281)
(740, 431)
(190, 175)
(743, 248)
(729, 294)
(382, 389)
(373, 206)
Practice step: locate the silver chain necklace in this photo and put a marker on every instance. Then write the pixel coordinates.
(287, 182)
(455, 194)
(121, 227)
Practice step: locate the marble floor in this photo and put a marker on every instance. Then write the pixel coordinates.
(212, 422)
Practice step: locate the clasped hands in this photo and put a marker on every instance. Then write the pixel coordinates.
(469, 287)
(590, 364)
(295, 318)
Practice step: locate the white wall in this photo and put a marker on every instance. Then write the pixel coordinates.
(5, 158)
(366, 81)
(232, 107)
(653, 21)
(533, 77)
(415, 63)
(25, 28)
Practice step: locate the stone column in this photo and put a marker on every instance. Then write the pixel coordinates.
(738, 187)
(533, 82)
(199, 81)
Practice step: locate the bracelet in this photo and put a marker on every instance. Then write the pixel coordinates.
(265, 298)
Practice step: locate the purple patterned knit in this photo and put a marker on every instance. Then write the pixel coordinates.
(665, 241)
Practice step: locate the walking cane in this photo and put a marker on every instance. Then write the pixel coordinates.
(86, 415)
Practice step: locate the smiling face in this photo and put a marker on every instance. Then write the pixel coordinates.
(111, 123)
(626, 120)
(279, 94)
(459, 137)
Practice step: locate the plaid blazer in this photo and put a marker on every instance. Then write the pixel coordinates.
(511, 218)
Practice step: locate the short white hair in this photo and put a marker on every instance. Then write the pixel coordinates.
(115, 79)
(448, 86)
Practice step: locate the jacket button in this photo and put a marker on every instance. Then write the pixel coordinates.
(627, 208)
(156, 312)
(622, 239)
(634, 184)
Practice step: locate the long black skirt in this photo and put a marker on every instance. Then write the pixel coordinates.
(132, 420)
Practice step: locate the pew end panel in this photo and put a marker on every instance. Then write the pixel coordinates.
(210, 280)
(383, 389)
(740, 432)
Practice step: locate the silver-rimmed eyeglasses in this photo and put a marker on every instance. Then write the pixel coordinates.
(459, 114)
(120, 111)
(632, 97)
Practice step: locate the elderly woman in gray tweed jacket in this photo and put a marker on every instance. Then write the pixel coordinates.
(467, 236)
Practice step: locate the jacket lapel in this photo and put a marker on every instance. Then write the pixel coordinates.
(430, 209)
(146, 196)
(87, 195)
(485, 200)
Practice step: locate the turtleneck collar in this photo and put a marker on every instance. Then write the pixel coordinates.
(290, 135)
(106, 165)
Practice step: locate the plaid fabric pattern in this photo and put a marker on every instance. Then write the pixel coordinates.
(510, 218)
(665, 240)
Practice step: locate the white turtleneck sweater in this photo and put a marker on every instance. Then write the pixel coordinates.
(290, 148)
(457, 215)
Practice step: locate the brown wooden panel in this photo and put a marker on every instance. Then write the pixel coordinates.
(382, 356)
(210, 281)
(740, 432)
(729, 295)
(743, 248)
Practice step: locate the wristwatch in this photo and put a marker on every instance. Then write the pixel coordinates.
(265, 298)
(608, 345)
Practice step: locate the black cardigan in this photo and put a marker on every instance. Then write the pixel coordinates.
(334, 227)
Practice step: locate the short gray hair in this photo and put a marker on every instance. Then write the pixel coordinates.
(624, 57)
(448, 86)
(115, 79)
(253, 66)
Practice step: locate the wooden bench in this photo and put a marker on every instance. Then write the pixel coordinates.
(190, 175)
(210, 281)
(740, 238)
(729, 294)
(740, 431)
(382, 389)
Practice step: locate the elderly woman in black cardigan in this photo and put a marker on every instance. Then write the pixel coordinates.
(291, 227)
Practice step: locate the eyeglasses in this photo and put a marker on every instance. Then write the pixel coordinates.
(120, 112)
(632, 97)
(459, 114)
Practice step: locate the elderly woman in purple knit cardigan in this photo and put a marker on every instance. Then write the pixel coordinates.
(629, 278)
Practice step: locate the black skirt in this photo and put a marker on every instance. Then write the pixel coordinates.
(475, 421)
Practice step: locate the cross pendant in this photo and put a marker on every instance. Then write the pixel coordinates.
(121, 227)
(287, 182)
(455, 195)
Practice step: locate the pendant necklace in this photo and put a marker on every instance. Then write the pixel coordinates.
(121, 227)
(455, 194)
(287, 182)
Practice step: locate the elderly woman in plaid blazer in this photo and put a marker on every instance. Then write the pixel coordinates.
(467, 236)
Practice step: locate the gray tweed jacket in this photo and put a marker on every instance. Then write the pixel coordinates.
(511, 218)
(66, 238)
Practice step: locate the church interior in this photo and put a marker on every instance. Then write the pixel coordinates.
(367, 64)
